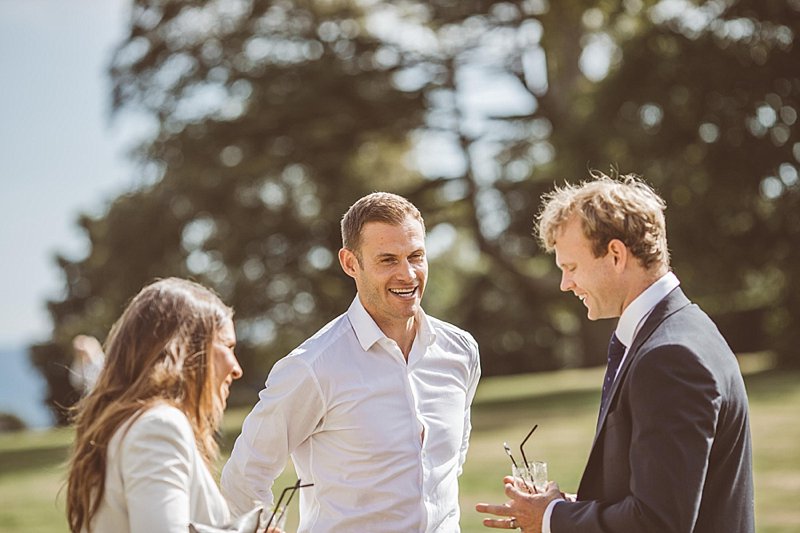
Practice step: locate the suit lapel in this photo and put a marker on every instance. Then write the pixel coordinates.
(672, 303)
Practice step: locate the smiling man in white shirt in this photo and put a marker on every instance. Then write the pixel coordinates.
(374, 409)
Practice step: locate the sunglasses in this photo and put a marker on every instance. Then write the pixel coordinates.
(280, 508)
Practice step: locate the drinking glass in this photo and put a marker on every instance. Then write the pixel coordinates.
(538, 474)
(529, 476)
(522, 478)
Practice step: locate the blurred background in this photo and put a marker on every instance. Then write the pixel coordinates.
(223, 140)
(251, 126)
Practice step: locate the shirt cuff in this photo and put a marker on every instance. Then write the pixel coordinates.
(548, 513)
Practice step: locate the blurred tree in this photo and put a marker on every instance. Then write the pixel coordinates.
(629, 84)
(273, 117)
(9, 422)
(704, 104)
(508, 93)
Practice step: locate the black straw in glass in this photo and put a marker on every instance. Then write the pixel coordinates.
(522, 451)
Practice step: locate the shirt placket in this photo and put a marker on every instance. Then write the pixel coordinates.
(415, 358)
(421, 433)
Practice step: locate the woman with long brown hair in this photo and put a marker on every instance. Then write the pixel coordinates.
(145, 443)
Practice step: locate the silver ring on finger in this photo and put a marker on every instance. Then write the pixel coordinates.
(512, 523)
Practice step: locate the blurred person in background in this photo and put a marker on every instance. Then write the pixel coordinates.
(374, 409)
(88, 358)
(145, 434)
(672, 449)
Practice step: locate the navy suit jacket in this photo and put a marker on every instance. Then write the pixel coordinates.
(672, 452)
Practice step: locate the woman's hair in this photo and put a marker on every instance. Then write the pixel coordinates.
(157, 351)
(625, 208)
(376, 207)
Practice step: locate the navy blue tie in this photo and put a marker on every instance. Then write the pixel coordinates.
(615, 352)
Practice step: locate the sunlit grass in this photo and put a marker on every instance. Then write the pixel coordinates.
(774, 408)
(564, 404)
(31, 476)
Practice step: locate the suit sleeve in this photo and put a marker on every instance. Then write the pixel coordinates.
(290, 408)
(157, 457)
(674, 404)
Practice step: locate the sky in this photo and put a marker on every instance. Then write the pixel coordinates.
(60, 153)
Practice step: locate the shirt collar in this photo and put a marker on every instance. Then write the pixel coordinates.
(368, 333)
(640, 307)
(425, 331)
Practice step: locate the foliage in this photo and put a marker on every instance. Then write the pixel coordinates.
(9, 422)
(245, 198)
(708, 112)
(273, 117)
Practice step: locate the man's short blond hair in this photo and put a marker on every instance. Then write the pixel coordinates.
(623, 208)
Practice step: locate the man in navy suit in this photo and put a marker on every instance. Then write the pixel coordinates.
(672, 450)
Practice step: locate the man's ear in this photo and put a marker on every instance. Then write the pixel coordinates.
(619, 253)
(349, 262)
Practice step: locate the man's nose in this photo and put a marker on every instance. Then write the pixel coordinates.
(407, 271)
(566, 282)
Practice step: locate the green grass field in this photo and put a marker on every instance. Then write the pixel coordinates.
(562, 403)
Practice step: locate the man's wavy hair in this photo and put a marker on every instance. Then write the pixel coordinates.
(623, 208)
(157, 351)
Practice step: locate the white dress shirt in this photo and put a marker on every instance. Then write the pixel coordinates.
(382, 440)
(640, 308)
(156, 480)
(628, 326)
